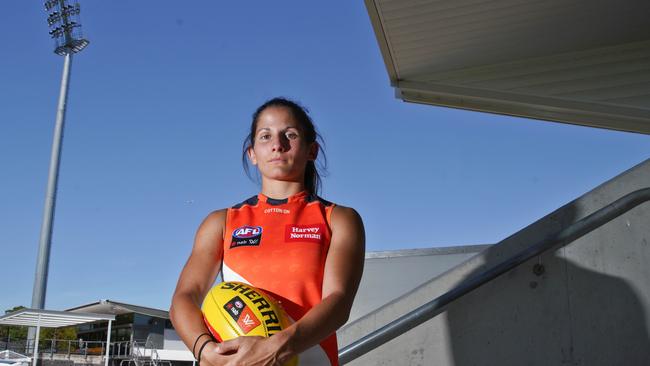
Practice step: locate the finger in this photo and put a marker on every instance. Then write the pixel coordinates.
(227, 347)
(217, 359)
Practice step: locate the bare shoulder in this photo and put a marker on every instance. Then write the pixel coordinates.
(216, 218)
(211, 229)
(346, 218)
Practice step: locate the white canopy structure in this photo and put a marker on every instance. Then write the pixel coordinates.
(54, 319)
(574, 61)
(11, 358)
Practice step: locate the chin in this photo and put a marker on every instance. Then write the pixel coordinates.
(283, 176)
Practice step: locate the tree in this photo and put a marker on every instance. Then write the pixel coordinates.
(9, 332)
(67, 333)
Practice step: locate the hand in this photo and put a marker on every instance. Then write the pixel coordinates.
(249, 351)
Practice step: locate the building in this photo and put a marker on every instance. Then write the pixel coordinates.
(137, 332)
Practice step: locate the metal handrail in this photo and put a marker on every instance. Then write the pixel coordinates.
(436, 306)
(119, 349)
(56, 346)
(136, 353)
(155, 358)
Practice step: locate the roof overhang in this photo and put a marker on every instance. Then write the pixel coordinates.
(572, 61)
(117, 308)
(50, 318)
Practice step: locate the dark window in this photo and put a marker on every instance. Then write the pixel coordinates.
(124, 319)
(140, 319)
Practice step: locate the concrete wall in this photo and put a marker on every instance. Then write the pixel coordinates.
(173, 341)
(589, 307)
(388, 275)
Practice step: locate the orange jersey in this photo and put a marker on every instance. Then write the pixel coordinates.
(280, 246)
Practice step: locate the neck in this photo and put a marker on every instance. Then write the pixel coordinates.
(281, 189)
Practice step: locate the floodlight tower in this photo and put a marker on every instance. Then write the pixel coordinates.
(65, 28)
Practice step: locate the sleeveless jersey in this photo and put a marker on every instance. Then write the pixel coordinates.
(280, 246)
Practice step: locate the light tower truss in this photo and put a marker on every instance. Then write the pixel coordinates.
(65, 26)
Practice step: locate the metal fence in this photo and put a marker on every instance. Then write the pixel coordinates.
(68, 348)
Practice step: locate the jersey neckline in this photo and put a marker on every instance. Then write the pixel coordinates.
(300, 196)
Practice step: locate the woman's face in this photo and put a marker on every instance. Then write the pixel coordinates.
(280, 150)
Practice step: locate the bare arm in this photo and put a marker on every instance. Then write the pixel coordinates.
(343, 269)
(196, 278)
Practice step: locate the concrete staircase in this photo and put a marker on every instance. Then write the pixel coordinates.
(585, 303)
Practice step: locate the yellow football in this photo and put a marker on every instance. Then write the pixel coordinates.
(235, 309)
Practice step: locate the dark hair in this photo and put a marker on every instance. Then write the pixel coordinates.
(301, 114)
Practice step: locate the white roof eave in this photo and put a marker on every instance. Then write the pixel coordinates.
(50, 318)
(525, 59)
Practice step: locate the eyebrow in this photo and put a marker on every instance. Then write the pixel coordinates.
(268, 129)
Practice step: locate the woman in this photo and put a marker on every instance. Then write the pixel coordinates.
(304, 250)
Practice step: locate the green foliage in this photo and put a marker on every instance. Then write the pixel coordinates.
(69, 333)
(15, 308)
(13, 331)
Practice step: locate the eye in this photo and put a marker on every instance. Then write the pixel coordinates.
(264, 136)
(291, 135)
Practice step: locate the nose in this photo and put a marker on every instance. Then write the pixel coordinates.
(280, 143)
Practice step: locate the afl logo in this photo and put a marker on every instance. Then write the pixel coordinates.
(246, 236)
(246, 232)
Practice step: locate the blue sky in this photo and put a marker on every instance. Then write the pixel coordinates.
(161, 100)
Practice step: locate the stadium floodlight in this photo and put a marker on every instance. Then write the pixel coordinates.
(65, 28)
